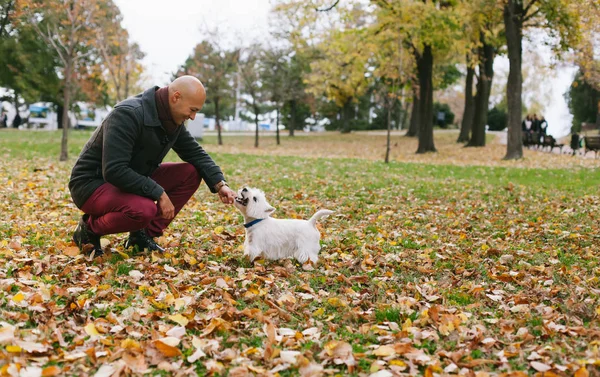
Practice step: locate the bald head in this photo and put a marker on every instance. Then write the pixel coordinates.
(186, 98)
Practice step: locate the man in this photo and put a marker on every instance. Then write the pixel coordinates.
(118, 180)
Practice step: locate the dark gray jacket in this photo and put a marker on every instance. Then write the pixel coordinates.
(129, 146)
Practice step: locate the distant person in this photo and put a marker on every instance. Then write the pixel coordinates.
(543, 126)
(16, 120)
(119, 182)
(526, 127)
(3, 119)
(575, 143)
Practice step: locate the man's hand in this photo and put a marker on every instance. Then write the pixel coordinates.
(227, 195)
(165, 207)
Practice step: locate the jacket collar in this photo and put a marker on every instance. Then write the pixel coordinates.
(149, 107)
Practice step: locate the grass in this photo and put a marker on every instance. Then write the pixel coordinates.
(427, 251)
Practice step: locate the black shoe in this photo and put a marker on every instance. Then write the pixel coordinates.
(87, 241)
(142, 240)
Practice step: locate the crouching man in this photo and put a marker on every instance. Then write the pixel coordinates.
(119, 181)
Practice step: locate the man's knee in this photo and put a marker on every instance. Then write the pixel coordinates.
(188, 170)
(142, 212)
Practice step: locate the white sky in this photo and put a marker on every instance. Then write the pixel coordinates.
(168, 31)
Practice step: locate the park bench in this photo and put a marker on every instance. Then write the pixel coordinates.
(591, 143)
(550, 142)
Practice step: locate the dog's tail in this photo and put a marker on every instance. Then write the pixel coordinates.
(318, 215)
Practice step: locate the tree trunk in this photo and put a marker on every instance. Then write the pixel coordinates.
(513, 11)
(467, 121)
(389, 129)
(413, 129)
(482, 99)
(64, 153)
(218, 121)
(425, 72)
(404, 116)
(292, 116)
(126, 94)
(346, 115)
(255, 122)
(277, 126)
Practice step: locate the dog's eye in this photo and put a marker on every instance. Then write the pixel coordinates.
(255, 200)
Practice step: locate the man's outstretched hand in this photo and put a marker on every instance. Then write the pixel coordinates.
(165, 207)
(227, 195)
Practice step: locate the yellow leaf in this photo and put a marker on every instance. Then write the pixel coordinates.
(131, 344)
(407, 324)
(219, 229)
(581, 372)
(598, 310)
(158, 305)
(18, 297)
(13, 349)
(399, 363)
(179, 319)
(319, 312)
(384, 351)
(90, 329)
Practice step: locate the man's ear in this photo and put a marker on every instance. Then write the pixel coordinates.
(269, 210)
(176, 96)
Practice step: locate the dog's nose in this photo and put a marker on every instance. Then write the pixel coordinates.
(244, 189)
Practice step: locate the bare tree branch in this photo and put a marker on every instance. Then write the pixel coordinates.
(329, 8)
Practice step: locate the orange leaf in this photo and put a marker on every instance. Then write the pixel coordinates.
(51, 371)
(581, 372)
(166, 349)
(71, 251)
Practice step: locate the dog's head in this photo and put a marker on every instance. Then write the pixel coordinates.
(252, 203)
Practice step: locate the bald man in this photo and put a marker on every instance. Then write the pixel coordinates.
(119, 180)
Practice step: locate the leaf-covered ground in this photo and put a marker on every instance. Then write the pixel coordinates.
(444, 268)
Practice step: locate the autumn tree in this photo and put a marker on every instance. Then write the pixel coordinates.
(69, 26)
(429, 29)
(120, 58)
(339, 73)
(486, 20)
(560, 19)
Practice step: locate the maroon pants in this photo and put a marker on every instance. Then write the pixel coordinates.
(114, 211)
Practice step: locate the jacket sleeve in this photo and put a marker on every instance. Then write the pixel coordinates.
(188, 149)
(120, 133)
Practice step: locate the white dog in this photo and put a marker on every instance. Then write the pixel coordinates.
(276, 238)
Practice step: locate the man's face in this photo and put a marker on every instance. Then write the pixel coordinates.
(184, 107)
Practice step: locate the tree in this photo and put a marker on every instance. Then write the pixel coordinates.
(340, 71)
(7, 8)
(428, 29)
(216, 67)
(30, 66)
(561, 21)
(583, 100)
(69, 26)
(274, 64)
(120, 58)
(250, 75)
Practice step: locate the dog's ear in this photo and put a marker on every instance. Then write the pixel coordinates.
(269, 210)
